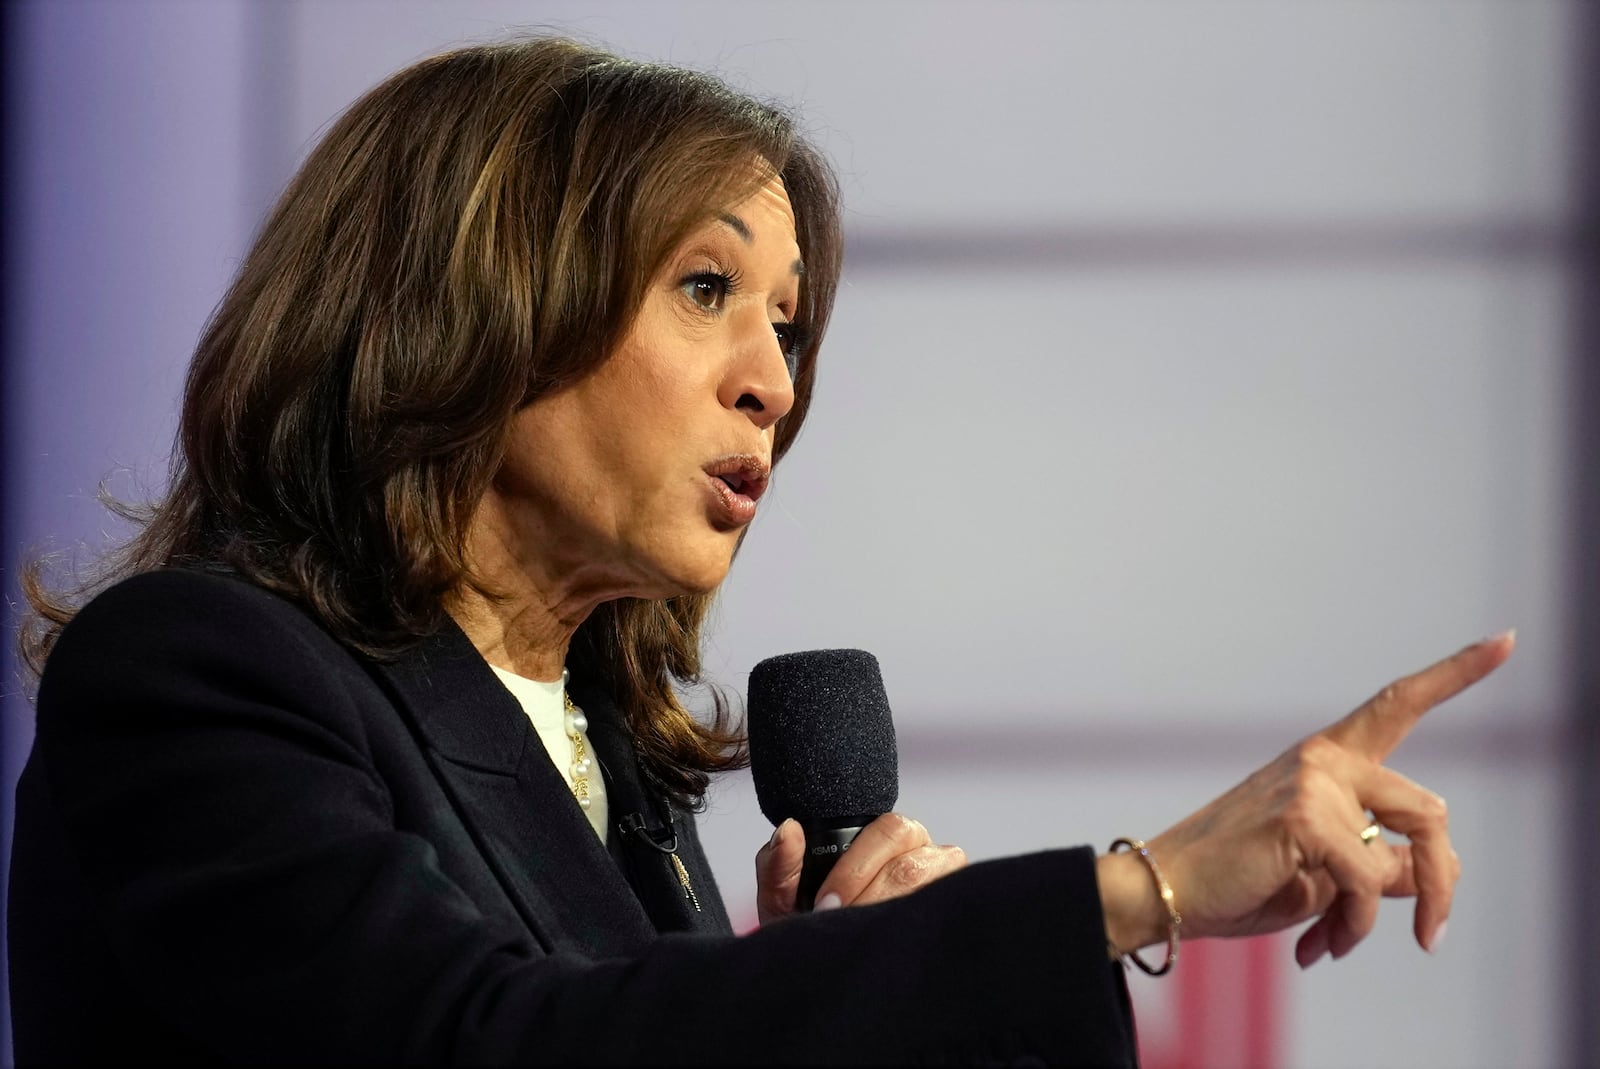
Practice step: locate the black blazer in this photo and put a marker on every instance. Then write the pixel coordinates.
(238, 840)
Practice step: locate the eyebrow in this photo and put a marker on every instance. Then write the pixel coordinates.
(740, 227)
(737, 225)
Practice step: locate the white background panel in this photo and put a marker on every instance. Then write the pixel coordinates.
(1226, 494)
(1030, 112)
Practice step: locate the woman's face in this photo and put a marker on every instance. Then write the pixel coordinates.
(637, 480)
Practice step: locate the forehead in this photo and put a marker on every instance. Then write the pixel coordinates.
(772, 199)
(765, 219)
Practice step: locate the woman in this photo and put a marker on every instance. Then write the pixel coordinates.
(372, 752)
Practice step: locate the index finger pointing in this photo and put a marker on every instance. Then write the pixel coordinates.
(1378, 726)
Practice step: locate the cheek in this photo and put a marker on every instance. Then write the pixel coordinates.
(669, 359)
(527, 472)
(649, 376)
(551, 449)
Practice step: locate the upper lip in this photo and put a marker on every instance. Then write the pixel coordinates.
(745, 474)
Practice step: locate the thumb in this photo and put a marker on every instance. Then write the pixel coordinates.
(778, 872)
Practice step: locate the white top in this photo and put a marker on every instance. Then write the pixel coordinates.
(544, 705)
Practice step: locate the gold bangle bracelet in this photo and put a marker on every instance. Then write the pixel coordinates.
(1164, 889)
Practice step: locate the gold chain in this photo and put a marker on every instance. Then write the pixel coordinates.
(580, 752)
(683, 878)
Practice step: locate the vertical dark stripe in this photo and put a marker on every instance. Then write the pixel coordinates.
(14, 739)
(1582, 934)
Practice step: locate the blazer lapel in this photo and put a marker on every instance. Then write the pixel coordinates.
(513, 801)
(655, 842)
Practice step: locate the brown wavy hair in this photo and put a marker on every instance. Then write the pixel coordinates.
(475, 232)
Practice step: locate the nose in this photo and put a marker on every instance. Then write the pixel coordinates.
(758, 382)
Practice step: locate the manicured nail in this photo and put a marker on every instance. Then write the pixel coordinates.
(1438, 938)
(827, 901)
(777, 833)
(1313, 959)
(1501, 637)
(1311, 949)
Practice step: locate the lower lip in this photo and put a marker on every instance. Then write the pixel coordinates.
(731, 507)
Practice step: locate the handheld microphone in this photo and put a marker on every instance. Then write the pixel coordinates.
(822, 751)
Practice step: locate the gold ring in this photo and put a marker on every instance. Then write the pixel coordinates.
(1369, 833)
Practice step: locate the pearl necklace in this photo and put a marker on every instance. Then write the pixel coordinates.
(577, 724)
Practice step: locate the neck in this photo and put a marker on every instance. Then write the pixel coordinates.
(538, 598)
(521, 634)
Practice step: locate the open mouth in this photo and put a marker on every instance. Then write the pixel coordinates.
(734, 482)
(743, 476)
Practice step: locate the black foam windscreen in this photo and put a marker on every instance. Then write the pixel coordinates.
(821, 738)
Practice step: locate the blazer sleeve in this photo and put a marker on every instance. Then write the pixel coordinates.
(214, 785)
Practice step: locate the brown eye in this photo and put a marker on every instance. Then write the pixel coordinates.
(708, 290)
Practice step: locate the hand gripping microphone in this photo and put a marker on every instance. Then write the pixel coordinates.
(822, 751)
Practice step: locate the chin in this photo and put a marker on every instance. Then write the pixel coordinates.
(704, 582)
(702, 573)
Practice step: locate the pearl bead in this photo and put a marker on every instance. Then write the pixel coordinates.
(579, 722)
(584, 802)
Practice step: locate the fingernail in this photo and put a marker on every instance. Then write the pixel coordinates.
(1311, 948)
(1510, 634)
(1438, 937)
(777, 833)
(827, 901)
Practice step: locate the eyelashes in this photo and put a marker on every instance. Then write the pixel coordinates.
(709, 292)
(792, 339)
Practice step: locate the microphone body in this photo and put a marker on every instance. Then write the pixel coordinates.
(822, 751)
(826, 843)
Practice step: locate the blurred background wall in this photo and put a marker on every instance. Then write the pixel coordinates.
(1200, 366)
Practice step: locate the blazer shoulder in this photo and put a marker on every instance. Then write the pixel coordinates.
(185, 608)
(176, 638)
(202, 591)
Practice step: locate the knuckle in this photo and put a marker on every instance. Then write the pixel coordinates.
(1310, 781)
(1316, 752)
(903, 830)
(1400, 693)
(909, 870)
